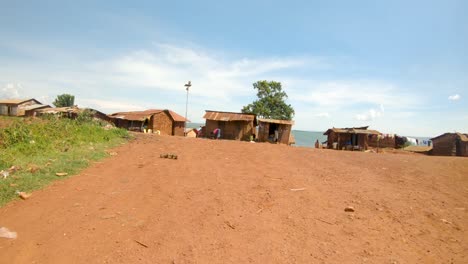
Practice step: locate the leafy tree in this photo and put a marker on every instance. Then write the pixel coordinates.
(64, 100)
(271, 102)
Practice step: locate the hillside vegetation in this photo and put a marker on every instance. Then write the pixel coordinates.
(32, 151)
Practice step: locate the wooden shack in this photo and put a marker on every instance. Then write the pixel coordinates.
(164, 122)
(17, 107)
(68, 112)
(354, 138)
(450, 144)
(31, 110)
(268, 127)
(236, 126)
(191, 132)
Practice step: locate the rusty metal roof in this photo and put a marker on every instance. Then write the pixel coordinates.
(142, 115)
(276, 121)
(35, 106)
(353, 130)
(463, 137)
(74, 109)
(228, 116)
(16, 101)
(54, 110)
(176, 117)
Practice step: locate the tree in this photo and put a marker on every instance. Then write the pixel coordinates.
(271, 102)
(64, 100)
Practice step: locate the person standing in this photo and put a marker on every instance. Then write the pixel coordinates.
(217, 133)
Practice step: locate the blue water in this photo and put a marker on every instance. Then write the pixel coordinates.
(308, 138)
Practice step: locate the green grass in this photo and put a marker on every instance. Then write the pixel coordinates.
(50, 145)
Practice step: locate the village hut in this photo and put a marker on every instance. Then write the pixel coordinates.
(237, 126)
(387, 141)
(69, 112)
(355, 138)
(164, 122)
(450, 144)
(31, 110)
(191, 132)
(275, 131)
(17, 107)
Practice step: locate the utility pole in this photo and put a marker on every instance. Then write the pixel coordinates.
(187, 86)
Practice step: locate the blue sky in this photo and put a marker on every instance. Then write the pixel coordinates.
(398, 66)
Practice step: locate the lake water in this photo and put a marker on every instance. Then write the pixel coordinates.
(308, 138)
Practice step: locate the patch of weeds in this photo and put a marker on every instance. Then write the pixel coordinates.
(42, 147)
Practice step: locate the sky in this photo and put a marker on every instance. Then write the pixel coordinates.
(396, 66)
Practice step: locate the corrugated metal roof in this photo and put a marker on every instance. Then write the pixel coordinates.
(276, 121)
(35, 106)
(142, 115)
(135, 115)
(16, 101)
(176, 117)
(463, 137)
(54, 110)
(228, 116)
(353, 130)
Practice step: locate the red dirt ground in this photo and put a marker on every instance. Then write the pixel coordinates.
(231, 202)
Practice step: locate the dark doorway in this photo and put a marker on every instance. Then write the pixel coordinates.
(458, 146)
(354, 139)
(271, 132)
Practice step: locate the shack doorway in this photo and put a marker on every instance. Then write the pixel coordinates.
(458, 147)
(273, 132)
(354, 140)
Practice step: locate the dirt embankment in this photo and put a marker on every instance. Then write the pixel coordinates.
(238, 202)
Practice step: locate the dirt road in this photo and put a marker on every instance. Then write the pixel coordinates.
(239, 202)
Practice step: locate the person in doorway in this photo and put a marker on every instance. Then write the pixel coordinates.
(276, 135)
(217, 133)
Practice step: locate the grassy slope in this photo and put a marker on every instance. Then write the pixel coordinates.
(42, 147)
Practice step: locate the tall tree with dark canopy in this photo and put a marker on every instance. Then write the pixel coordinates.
(64, 100)
(271, 102)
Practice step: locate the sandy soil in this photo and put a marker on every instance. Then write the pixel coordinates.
(239, 202)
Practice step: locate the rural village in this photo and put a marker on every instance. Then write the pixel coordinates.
(166, 193)
(232, 132)
(240, 126)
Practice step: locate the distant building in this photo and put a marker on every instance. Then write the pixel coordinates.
(268, 127)
(450, 144)
(355, 138)
(237, 126)
(17, 107)
(165, 121)
(69, 112)
(191, 132)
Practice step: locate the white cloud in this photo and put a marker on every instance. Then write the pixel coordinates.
(168, 67)
(11, 91)
(454, 97)
(343, 93)
(111, 105)
(371, 114)
(326, 115)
